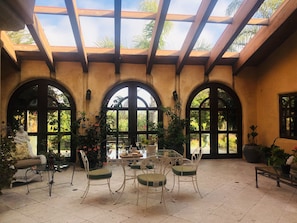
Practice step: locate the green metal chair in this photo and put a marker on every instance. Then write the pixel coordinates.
(187, 172)
(93, 176)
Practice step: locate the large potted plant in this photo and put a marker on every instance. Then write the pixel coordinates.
(89, 137)
(252, 151)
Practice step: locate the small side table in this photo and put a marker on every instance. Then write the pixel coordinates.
(51, 168)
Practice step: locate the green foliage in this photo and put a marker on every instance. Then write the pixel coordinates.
(7, 162)
(278, 156)
(20, 37)
(173, 137)
(252, 135)
(274, 155)
(105, 43)
(143, 41)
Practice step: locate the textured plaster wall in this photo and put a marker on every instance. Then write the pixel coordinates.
(277, 75)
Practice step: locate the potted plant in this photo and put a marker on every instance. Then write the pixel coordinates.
(251, 151)
(279, 158)
(7, 162)
(89, 137)
(276, 157)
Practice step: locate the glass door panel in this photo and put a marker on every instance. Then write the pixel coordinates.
(123, 121)
(233, 143)
(32, 121)
(141, 120)
(222, 143)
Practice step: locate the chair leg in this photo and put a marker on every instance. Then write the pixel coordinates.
(195, 184)
(173, 183)
(85, 193)
(137, 193)
(110, 191)
(178, 183)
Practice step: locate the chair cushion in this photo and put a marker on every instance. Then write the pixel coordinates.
(137, 166)
(184, 170)
(98, 174)
(152, 179)
(25, 163)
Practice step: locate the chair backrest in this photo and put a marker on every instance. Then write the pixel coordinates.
(150, 150)
(85, 161)
(196, 157)
(159, 163)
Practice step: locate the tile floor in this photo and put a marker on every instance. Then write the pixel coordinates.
(227, 186)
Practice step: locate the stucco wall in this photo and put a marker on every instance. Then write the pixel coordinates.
(277, 75)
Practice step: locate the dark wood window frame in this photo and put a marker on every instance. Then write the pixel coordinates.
(288, 115)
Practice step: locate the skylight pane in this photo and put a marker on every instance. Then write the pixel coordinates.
(132, 32)
(95, 4)
(176, 35)
(55, 3)
(226, 7)
(209, 36)
(133, 5)
(268, 8)
(188, 7)
(97, 32)
(57, 29)
(243, 38)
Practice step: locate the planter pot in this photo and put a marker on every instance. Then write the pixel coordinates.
(293, 171)
(286, 169)
(252, 153)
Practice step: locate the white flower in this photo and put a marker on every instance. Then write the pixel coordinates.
(290, 160)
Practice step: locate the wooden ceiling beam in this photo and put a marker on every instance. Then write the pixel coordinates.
(40, 39)
(196, 28)
(9, 48)
(157, 31)
(246, 10)
(143, 15)
(75, 24)
(264, 34)
(117, 35)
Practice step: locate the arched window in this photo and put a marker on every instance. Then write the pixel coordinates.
(46, 110)
(215, 121)
(132, 112)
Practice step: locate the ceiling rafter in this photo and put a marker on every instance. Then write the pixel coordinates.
(9, 48)
(157, 31)
(75, 24)
(143, 15)
(117, 35)
(196, 28)
(42, 43)
(276, 21)
(241, 17)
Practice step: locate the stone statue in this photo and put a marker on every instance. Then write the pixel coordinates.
(22, 139)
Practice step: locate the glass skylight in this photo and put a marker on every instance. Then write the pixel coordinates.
(57, 29)
(209, 36)
(95, 4)
(187, 7)
(97, 30)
